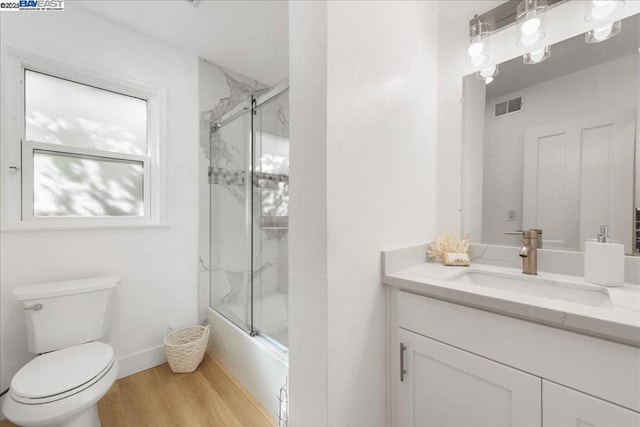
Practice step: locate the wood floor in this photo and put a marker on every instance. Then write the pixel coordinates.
(157, 397)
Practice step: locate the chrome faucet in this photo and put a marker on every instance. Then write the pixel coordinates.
(531, 242)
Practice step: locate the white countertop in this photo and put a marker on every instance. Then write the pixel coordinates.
(618, 321)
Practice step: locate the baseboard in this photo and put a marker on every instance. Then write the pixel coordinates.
(140, 361)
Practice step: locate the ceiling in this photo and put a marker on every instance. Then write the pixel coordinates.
(566, 57)
(249, 37)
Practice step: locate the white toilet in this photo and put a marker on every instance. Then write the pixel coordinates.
(62, 386)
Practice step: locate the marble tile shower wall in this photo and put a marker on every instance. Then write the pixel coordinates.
(224, 256)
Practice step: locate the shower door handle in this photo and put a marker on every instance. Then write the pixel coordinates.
(402, 370)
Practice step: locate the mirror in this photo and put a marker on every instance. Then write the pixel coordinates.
(554, 145)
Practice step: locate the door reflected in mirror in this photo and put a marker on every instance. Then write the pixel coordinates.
(554, 145)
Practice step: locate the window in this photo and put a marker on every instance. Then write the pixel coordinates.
(88, 150)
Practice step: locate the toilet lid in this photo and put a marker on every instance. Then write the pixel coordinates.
(63, 370)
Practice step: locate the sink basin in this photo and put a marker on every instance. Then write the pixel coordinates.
(592, 295)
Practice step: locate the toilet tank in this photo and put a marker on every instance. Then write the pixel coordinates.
(62, 314)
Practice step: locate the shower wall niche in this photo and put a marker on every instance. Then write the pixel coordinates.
(248, 182)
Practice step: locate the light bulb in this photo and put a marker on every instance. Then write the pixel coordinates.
(488, 80)
(601, 12)
(478, 60)
(598, 10)
(488, 72)
(475, 49)
(530, 40)
(602, 33)
(537, 55)
(530, 26)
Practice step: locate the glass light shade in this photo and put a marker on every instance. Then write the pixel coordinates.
(478, 61)
(599, 10)
(603, 32)
(478, 50)
(537, 56)
(488, 72)
(530, 23)
(488, 80)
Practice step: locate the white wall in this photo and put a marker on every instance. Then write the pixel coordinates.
(308, 332)
(453, 19)
(378, 183)
(562, 99)
(158, 266)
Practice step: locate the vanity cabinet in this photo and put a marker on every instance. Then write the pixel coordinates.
(445, 386)
(453, 365)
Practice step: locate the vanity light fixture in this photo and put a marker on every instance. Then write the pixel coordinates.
(604, 32)
(478, 51)
(599, 10)
(537, 56)
(531, 23)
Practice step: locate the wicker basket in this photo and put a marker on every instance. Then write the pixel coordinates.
(185, 347)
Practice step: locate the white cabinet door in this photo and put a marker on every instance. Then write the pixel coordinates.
(564, 407)
(445, 386)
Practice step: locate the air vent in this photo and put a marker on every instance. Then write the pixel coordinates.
(507, 107)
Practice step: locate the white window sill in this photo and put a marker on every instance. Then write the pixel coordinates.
(69, 227)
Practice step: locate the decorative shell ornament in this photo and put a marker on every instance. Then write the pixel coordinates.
(451, 249)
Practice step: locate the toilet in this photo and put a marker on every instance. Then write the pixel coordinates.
(63, 384)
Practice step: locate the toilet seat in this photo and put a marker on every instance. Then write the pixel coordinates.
(60, 374)
(60, 410)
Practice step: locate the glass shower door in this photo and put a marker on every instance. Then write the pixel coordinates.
(270, 208)
(230, 189)
(249, 217)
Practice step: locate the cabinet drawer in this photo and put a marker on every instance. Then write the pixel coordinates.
(601, 368)
(562, 407)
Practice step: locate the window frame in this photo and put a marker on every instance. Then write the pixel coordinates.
(17, 200)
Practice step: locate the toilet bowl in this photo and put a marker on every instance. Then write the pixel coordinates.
(62, 386)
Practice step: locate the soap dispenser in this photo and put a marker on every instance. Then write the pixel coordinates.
(604, 260)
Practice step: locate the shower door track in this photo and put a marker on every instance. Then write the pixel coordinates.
(245, 106)
(275, 90)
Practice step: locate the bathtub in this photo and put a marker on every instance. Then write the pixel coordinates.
(260, 364)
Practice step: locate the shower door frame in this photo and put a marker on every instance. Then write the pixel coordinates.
(249, 106)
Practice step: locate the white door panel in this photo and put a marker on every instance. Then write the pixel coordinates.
(578, 175)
